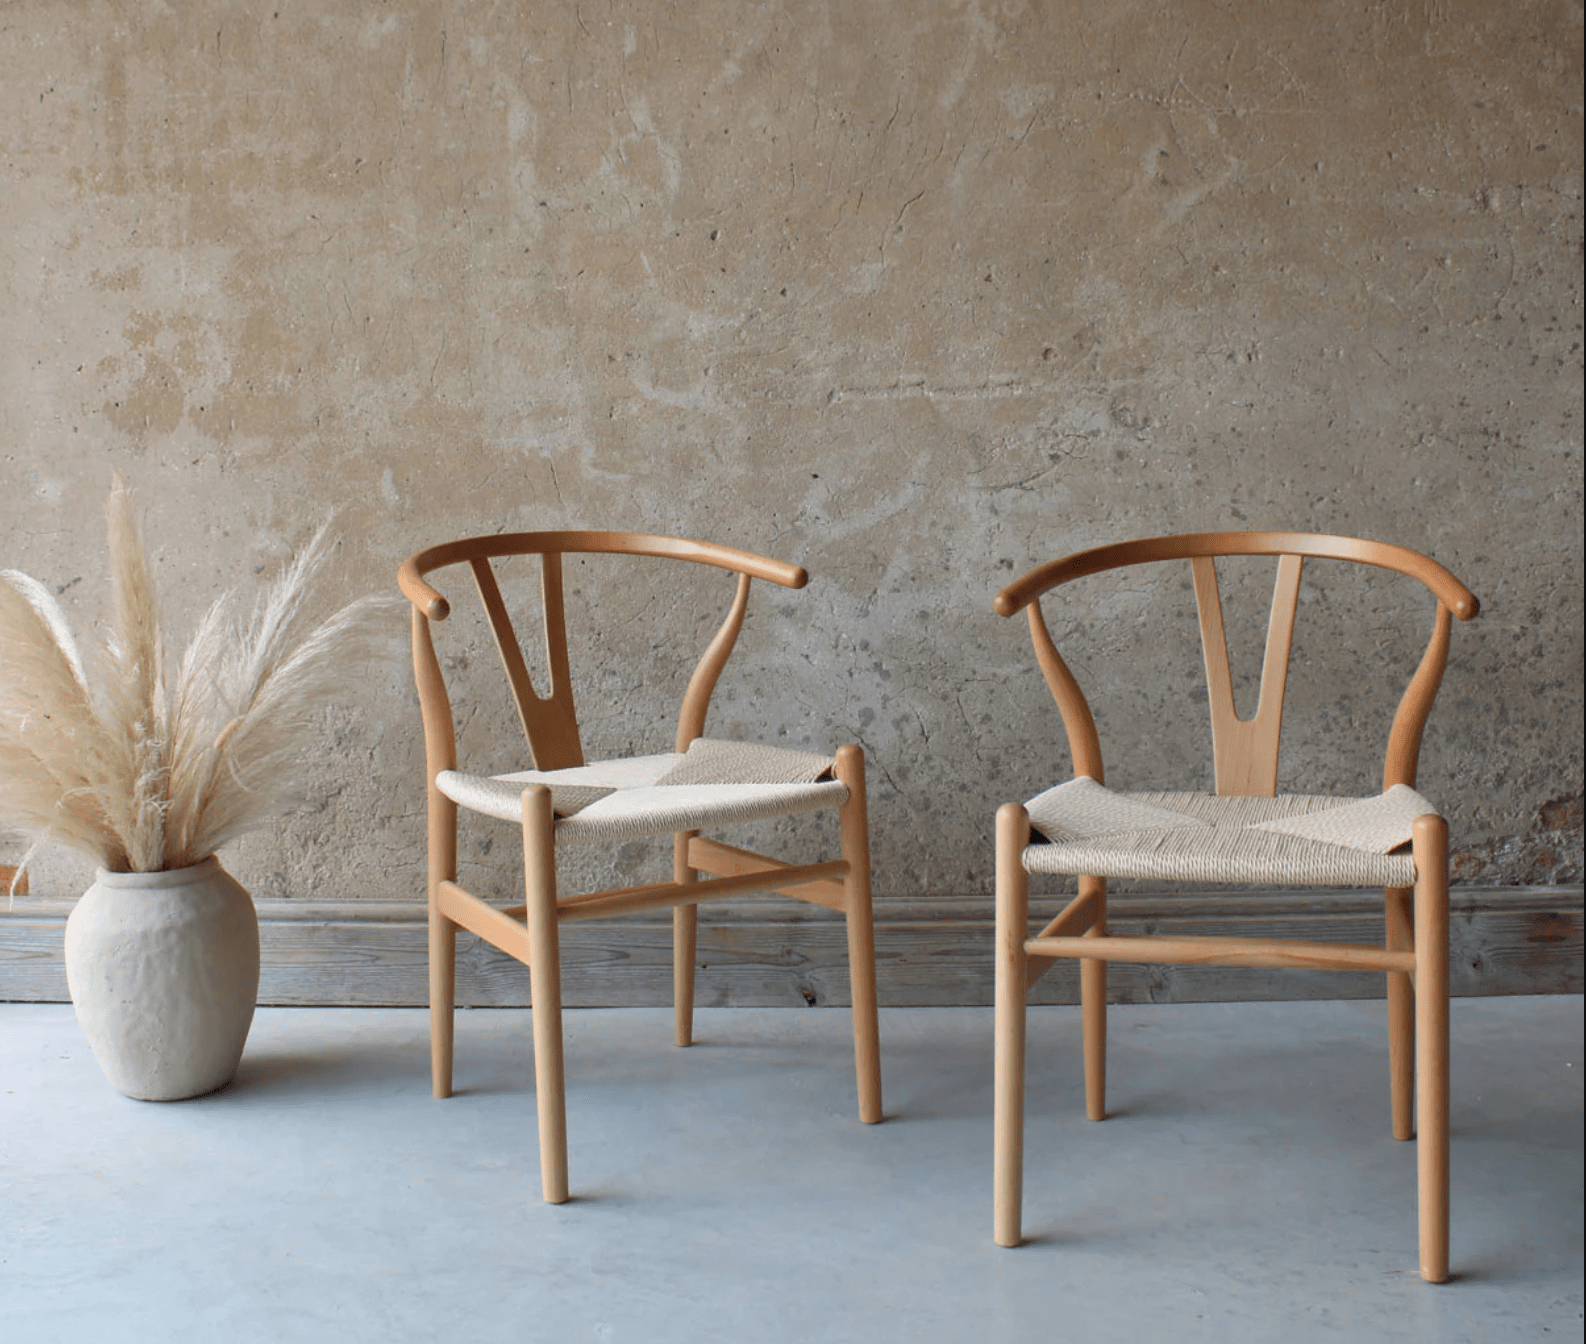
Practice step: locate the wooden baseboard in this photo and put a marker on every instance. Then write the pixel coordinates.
(773, 952)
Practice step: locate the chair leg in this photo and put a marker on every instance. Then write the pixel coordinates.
(443, 999)
(1013, 926)
(855, 827)
(441, 826)
(1401, 1013)
(1093, 1009)
(685, 941)
(1430, 846)
(545, 989)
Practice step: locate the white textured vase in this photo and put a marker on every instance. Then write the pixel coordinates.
(164, 972)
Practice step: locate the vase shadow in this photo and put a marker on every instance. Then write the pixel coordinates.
(339, 1068)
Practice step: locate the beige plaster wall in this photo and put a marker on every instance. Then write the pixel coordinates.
(914, 294)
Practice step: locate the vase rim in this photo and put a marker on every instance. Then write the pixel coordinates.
(165, 877)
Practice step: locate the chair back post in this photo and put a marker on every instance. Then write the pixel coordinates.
(440, 751)
(1084, 745)
(1409, 720)
(440, 743)
(696, 699)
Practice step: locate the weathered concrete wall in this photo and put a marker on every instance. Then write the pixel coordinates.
(916, 295)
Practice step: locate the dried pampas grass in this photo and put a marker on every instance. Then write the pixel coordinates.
(147, 774)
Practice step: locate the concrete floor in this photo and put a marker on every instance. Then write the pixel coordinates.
(1246, 1188)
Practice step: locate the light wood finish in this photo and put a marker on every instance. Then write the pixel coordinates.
(747, 880)
(1012, 977)
(1431, 1041)
(696, 699)
(1226, 952)
(1245, 751)
(506, 929)
(1077, 916)
(685, 945)
(1093, 1007)
(711, 856)
(668, 895)
(1083, 743)
(1445, 587)
(415, 586)
(545, 985)
(1399, 919)
(1404, 741)
(443, 998)
(440, 753)
(531, 933)
(1414, 955)
(550, 722)
(854, 826)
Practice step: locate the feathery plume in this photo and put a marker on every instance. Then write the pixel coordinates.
(146, 775)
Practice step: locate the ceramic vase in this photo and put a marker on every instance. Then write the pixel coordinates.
(164, 971)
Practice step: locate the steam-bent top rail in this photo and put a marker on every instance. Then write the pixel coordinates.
(430, 603)
(1445, 587)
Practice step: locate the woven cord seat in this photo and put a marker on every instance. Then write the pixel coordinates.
(1241, 833)
(1304, 840)
(565, 800)
(636, 796)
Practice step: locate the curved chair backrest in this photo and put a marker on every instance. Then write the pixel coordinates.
(550, 722)
(1245, 751)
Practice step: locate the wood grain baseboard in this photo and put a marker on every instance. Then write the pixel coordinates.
(773, 952)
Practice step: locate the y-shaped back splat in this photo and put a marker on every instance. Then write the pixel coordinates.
(1245, 751)
(549, 722)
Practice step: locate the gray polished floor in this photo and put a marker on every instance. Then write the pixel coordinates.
(1246, 1187)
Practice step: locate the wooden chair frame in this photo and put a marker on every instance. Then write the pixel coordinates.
(530, 932)
(1415, 955)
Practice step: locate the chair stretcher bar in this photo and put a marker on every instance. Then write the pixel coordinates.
(496, 927)
(598, 905)
(711, 856)
(502, 927)
(1226, 952)
(1079, 913)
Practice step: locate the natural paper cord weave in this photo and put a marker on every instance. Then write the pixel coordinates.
(691, 807)
(1082, 809)
(1231, 845)
(625, 772)
(495, 795)
(1372, 825)
(712, 761)
(502, 795)
(637, 804)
